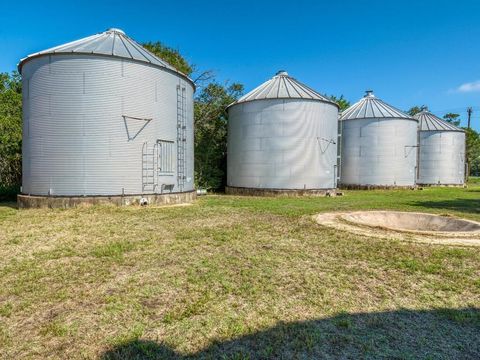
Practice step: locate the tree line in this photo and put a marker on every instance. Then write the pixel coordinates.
(210, 116)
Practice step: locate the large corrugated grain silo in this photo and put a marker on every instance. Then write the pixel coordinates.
(379, 145)
(442, 151)
(282, 138)
(105, 117)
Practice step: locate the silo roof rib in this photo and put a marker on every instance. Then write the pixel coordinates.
(371, 107)
(295, 88)
(286, 87)
(113, 46)
(112, 42)
(282, 86)
(379, 110)
(430, 122)
(126, 48)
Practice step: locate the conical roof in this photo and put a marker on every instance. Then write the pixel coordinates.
(113, 42)
(430, 122)
(282, 86)
(372, 107)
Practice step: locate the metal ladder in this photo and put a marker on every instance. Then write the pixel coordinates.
(181, 136)
(339, 152)
(149, 166)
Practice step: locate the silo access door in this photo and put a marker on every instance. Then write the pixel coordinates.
(157, 162)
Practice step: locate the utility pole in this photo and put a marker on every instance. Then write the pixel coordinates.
(469, 113)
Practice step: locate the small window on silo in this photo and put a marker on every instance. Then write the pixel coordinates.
(165, 157)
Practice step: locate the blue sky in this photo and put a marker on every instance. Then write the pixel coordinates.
(409, 52)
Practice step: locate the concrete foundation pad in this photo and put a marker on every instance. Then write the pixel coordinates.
(443, 185)
(32, 201)
(230, 190)
(376, 187)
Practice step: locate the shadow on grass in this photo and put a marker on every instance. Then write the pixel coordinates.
(471, 206)
(405, 334)
(8, 203)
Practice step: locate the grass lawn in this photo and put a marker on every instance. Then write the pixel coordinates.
(236, 278)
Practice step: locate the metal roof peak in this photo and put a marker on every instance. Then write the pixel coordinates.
(112, 42)
(120, 31)
(430, 122)
(371, 107)
(282, 86)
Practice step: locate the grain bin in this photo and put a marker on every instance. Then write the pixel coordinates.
(282, 139)
(442, 151)
(379, 145)
(104, 117)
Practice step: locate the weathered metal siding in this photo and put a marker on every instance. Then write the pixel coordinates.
(442, 158)
(282, 144)
(75, 138)
(379, 152)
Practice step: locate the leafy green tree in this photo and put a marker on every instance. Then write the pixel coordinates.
(341, 101)
(472, 138)
(171, 56)
(414, 110)
(211, 133)
(10, 132)
(452, 118)
(210, 117)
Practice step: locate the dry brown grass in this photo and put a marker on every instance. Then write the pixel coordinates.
(234, 277)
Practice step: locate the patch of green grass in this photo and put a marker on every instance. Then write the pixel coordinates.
(128, 336)
(56, 328)
(113, 249)
(6, 309)
(415, 265)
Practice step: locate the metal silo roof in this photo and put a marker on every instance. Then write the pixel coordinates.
(372, 107)
(113, 42)
(430, 122)
(282, 86)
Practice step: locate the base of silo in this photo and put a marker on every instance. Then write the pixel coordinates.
(405, 226)
(376, 187)
(231, 190)
(443, 185)
(32, 201)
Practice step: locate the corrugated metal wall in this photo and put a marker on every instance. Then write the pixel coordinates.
(379, 152)
(76, 141)
(282, 144)
(442, 157)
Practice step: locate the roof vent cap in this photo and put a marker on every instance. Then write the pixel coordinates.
(115, 30)
(369, 94)
(281, 73)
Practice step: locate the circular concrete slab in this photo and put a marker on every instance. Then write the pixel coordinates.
(409, 221)
(409, 226)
